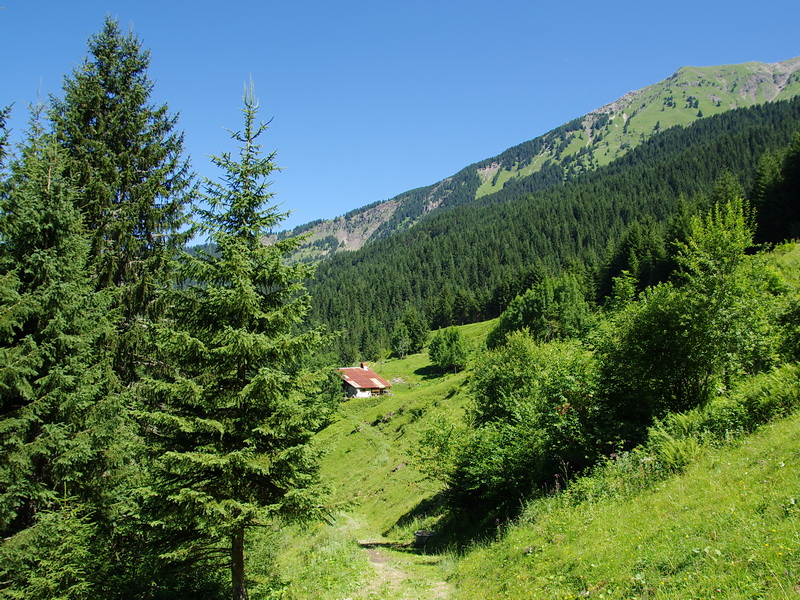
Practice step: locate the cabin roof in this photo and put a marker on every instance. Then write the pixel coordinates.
(363, 378)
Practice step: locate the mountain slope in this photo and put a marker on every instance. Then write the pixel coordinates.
(466, 263)
(582, 145)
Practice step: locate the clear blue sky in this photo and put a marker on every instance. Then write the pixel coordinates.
(373, 98)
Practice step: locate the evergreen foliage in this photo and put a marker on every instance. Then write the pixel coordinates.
(466, 264)
(233, 410)
(401, 340)
(776, 194)
(124, 154)
(64, 437)
(4, 114)
(54, 558)
(641, 252)
(409, 334)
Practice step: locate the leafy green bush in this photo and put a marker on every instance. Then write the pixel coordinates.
(534, 422)
(439, 447)
(618, 475)
(681, 342)
(448, 350)
(552, 309)
(679, 438)
(769, 395)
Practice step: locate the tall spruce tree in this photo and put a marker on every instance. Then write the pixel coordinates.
(234, 411)
(62, 426)
(4, 113)
(125, 156)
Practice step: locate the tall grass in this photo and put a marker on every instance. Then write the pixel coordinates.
(701, 511)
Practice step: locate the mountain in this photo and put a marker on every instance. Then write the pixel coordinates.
(584, 144)
(464, 264)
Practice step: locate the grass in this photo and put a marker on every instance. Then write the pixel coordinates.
(317, 561)
(370, 462)
(728, 527)
(382, 497)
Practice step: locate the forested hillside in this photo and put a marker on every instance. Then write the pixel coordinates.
(469, 262)
(581, 145)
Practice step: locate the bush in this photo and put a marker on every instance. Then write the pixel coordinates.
(448, 350)
(679, 438)
(552, 309)
(681, 342)
(534, 422)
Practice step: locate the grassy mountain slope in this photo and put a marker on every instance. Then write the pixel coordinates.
(371, 467)
(581, 145)
(371, 451)
(609, 132)
(726, 527)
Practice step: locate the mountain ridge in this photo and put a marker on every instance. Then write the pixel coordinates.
(582, 144)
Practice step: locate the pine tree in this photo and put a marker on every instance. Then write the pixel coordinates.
(417, 329)
(776, 193)
(125, 157)
(400, 340)
(4, 113)
(233, 411)
(62, 425)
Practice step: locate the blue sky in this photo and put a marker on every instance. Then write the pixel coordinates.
(373, 98)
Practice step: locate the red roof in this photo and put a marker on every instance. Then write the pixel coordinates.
(364, 378)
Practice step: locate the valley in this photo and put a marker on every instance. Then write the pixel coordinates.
(591, 344)
(723, 524)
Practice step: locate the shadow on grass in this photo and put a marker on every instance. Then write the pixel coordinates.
(391, 545)
(454, 529)
(430, 372)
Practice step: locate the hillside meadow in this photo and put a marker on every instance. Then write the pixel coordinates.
(723, 523)
(371, 461)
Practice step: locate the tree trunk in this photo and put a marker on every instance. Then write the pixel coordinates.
(237, 565)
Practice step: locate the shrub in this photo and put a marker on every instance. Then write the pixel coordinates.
(552, 309)
(448, 350)
(534, 421)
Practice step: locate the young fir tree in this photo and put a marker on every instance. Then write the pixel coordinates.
(233, 412)
(61, 422)
(126, 158)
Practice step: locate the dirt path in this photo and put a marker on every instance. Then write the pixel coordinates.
(401, 574)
